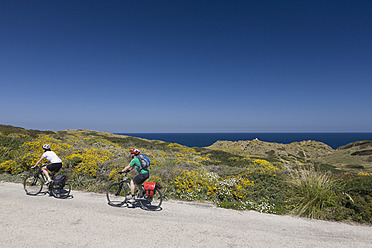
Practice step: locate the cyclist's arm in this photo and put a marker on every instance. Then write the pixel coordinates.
(38, 162)
(130, 166)
(127, 168)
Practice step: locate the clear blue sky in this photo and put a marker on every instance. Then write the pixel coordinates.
(187, 66)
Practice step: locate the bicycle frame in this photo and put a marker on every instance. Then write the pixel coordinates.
(117, 195)
(141, 191)
(33, 184)
(40, 174)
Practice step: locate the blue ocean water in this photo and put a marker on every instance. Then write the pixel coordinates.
(334, 140)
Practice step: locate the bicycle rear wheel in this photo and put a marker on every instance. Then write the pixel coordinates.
(153, 202)
(33, 185)
(62, 192)
(116, 194)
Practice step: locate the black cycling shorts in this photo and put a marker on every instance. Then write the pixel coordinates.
(140, 178)
(54, 167)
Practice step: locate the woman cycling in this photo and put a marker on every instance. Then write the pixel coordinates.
(55, 162)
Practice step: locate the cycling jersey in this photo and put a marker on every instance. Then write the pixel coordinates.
(136, 162)
(52, 157)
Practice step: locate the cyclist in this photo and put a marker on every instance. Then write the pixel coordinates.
(55, 162)
(143, 174)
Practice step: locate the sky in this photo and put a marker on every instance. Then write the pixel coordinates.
(187, 66)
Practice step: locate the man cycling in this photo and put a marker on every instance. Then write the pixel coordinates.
(143, 174)
(55, 162)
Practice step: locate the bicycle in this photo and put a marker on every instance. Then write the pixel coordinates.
(117, 195)
(33, 184)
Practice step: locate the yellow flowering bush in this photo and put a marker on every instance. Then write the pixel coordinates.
(241, 188)
(192, 185)
(114, 175)
(263, 166)
(175, 146)
(364, 174)
(90, 158)
(11, 166)
(3, 150)
(234, 188)
(156, 179)
(71, 150)
(30, 152)
(204, 185)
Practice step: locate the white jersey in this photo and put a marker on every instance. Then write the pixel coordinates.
(52, 157)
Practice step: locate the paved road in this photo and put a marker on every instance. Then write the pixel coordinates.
(86, 220)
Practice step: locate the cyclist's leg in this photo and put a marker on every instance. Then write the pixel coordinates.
(45, 171)
(139, 179)
(53, 168)
(52, 174)
(132, 187)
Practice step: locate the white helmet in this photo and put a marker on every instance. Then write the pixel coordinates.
(46, 146)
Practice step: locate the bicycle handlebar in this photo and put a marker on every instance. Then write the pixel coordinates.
(123, 172)
(125, 177)
(38, 166)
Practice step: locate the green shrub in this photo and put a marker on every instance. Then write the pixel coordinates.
(355, 166)
(358, 195)
(231, 205)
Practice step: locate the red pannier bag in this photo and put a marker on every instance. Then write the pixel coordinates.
(149, 188)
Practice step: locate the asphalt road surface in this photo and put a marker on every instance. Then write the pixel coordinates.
(86, 220)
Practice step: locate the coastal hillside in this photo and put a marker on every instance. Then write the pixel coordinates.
(354, 157)
(306, 178)
(304, 150)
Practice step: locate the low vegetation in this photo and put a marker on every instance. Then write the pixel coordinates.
(301, 179)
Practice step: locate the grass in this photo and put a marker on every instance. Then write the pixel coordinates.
(323, 195)
(314, 192)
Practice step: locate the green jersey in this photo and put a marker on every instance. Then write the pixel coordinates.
(136, 162)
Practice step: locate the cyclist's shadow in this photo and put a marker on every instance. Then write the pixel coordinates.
(137, 204)
(47, 192)
(133, 205)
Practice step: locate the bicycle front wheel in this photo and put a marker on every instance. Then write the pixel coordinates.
(153, 202)
(116, 194)
(62, 192)
(33, 185)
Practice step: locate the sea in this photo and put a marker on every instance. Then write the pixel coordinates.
(334, 140)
